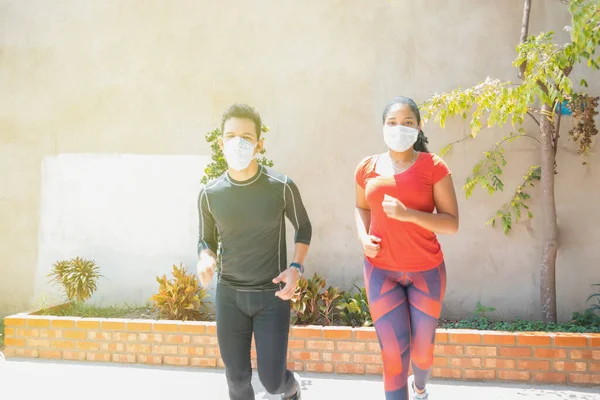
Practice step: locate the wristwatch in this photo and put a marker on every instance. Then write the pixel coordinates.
(299, 266)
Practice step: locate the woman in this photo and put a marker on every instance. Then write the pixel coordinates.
(405, 275)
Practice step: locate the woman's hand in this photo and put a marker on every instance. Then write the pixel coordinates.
(395, 209)
(371, 245)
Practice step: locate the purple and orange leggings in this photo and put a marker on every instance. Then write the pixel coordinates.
(405, 307)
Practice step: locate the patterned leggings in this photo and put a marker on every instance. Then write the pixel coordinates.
(405, 307)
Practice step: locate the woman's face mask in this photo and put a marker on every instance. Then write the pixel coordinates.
(238, 152)
(399, 138)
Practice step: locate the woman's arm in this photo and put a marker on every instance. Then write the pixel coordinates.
(444, 221)
(362, 216)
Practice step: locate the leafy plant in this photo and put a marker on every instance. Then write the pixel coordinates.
(596, 296)
(544, 68)
(355, 309)
(78, 277)
(307, 301)
(327, 308)
(180, 298)
(482, 310)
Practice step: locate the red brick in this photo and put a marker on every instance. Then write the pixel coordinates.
(305, 356)
(203, 362)
(112, 347)
(499, 363)
(337, 333)
(101, 357)
(440, 361)
(320, 344)
(465, 362)
(376, 369)
(89, 323)
(50, 354)
(63, 344)
(123, 358)
(74, 335)
(158, 349)
(533, 339)
(17, 352)
(205, 340)
(584, 354)
(192, 351)
(465, 337)
(295, 366)
(295, 344)
(74, 355)
(514, 375)
(213, 352)
(193, 327)
(550, 377)
(63, 323)
(337, 357)
(373, 347)
(448, 350)
(595, 340)
(441, 337)
(481, 351)
(367, 358)
(14, 342)
(139, 326)
(306, 332)
(125, 336)
(350, 369)
(41, 343)
(113, 325)
(139, 348)
(588, 379)
(178, 339)
(319, 367)
(15, 322)
(51, 333)
(151, 337)
(365, 334)
(351, 346)
(166, 326)
(565, 340)
(147, 359)
(594, 366)
(179, 361)
(447, 373)
(211, 329)
(569, 366)
(99, 336)
(480, 374)
(38, 322)
(549, 353)
(536, 365)
(499, 338)
(517, 352)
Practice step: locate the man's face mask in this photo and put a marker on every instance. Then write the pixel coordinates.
(399, 138)
(238, 152)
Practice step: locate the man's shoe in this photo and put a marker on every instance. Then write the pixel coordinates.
(296, 396)
(412, 392)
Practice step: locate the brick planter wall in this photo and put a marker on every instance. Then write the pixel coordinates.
(459, 354)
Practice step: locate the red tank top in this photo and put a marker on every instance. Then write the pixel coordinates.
(404, 245)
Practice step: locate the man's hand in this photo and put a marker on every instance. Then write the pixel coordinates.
(206, 269)
(290, 277)
(371, 245)
(395, 209)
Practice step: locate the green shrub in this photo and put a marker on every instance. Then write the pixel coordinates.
(312, 304)
(78, 277)
(355, 309)
(180, 298)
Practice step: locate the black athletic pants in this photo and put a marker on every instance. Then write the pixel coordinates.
(241, 313)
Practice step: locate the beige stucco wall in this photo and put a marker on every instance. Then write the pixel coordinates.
(152, 77)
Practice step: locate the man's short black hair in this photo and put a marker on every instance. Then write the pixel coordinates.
(243, 111)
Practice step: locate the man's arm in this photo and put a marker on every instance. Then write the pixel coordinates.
(207, 240)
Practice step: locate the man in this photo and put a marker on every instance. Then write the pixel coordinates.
(245, 209)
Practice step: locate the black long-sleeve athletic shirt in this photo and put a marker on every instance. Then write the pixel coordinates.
(249, 219)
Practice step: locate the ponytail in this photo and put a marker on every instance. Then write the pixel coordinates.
(421, 143)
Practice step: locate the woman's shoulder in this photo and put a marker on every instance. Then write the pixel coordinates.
(432, 158)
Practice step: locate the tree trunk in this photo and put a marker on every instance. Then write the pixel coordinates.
(550, 226)
(524, 33)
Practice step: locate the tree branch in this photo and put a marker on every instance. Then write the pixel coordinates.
(524, 33)
(533, 117)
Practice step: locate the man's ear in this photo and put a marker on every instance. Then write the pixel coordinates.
(260, 145)
(220, 141)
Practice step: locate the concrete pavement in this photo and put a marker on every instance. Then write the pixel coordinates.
(37, 379)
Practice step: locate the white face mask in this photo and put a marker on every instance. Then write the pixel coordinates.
(399, 138)
(238, 152)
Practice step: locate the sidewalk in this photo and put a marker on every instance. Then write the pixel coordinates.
(74, 381)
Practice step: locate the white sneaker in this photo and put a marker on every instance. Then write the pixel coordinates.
(413, 393)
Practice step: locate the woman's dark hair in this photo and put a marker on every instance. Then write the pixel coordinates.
(243, 111)
(422, 141)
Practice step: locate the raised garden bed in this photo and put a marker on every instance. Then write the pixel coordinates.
(542, 357)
